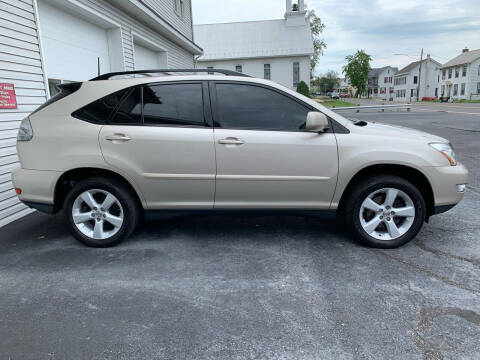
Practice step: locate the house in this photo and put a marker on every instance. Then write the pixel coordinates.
(380, 82)
(278, 50)
(346, 87)
(460, 77)
(410, 82)
(48, 42)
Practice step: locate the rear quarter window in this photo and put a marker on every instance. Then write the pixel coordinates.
(99, 111)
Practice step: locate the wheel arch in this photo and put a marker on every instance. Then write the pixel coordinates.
(415, 176)
(68, 179)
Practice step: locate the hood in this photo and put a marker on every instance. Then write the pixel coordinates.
(404, 132)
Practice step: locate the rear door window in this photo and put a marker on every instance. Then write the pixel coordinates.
(173, 104)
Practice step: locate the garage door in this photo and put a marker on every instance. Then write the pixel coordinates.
(145, 58)
(72, 45)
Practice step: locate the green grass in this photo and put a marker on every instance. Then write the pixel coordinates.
(467, 101)
(336, 103)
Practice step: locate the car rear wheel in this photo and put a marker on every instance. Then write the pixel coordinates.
(385, 211)
(101, 212)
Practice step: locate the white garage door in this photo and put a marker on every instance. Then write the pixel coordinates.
(71, 45)
(145, 58)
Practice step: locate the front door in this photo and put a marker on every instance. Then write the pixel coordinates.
(265, 158)
(163, 143)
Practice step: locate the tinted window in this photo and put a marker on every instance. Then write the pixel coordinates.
(130, 110)
(254, 107)
(99, 111)
(173, 104)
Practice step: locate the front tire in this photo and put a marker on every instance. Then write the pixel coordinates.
(385, 211)
(101, 212)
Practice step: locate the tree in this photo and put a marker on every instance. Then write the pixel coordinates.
(319, 45)
(302, 88)
(357, 69)
(327, 82)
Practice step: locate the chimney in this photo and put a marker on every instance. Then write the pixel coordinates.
(465, 50)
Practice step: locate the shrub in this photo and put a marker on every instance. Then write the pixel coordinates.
(302, 88)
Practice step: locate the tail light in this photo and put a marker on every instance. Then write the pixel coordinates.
(25, 132)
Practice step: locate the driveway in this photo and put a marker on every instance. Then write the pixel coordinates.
(250, 287)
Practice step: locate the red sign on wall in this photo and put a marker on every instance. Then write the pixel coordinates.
(8, 99)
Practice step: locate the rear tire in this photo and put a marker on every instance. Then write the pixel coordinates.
(101, 212)
(385, 211)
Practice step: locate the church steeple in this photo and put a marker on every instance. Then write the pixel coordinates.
(295, 13)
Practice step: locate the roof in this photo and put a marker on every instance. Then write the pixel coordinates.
(374, 72)
(412, 66)
(253, 39)
(464, 58)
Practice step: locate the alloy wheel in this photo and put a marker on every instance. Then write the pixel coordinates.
(97, 214)
(387, 214)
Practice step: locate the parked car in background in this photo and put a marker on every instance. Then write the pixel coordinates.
(108, 151)
(335, 95)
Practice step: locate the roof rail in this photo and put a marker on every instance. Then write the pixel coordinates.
(166, 71)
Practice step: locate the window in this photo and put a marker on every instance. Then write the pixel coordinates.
(457, 72)
(239, 68)
(478, 70)
(210, 68)
(444, 73)
(411, 92)
(478, 88)
(99, 111)
(464, 70)
(130, 110)
(450, 73)
(415, 79)
(436, 92)
(266, 71)
(173, 104)
(462, 89)
(443, 90)
(296, 74)
(179, 7)
(455, 90)
(267, 109)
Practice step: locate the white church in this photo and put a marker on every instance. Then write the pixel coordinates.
(278, 50)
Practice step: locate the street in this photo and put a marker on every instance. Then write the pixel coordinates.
(252, 287)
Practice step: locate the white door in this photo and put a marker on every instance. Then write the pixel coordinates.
(145, 58)
(71, 44)
(171, 157)
(265, 158)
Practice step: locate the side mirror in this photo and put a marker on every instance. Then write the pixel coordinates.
(316, 122)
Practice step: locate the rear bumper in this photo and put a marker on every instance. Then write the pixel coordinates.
(38, 187)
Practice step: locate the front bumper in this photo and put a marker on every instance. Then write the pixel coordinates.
(38, 187)
(444, 181)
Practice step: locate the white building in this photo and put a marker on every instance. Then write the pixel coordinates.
(406, 82)
(380, 82)
(279, 50)
(46, 42)
(460, 76)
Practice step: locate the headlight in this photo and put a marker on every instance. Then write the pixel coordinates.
(447, 151)
(25, 132)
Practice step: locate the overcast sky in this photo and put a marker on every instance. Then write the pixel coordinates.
(380, 27)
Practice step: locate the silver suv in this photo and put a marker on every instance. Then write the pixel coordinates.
(108, 151)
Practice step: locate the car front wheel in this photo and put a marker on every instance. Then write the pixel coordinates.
(385, 211)
(101, 212)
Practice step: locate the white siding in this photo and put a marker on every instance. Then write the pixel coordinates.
(21, 65)
(166, 10)
(281, 68)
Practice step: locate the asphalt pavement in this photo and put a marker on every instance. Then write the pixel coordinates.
(251, 287)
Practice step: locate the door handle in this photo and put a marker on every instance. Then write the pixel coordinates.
(118, 137)
(231, 141)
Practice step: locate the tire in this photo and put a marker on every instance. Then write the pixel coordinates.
(95, 226)
(393, 230)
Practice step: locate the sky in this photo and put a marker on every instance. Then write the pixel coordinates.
(393, 32)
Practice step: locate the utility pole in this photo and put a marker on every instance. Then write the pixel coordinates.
(419, 75)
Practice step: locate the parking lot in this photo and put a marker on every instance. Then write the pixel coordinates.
(252, 287)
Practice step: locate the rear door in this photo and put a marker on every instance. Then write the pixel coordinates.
(265, 158)
(165, 144)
